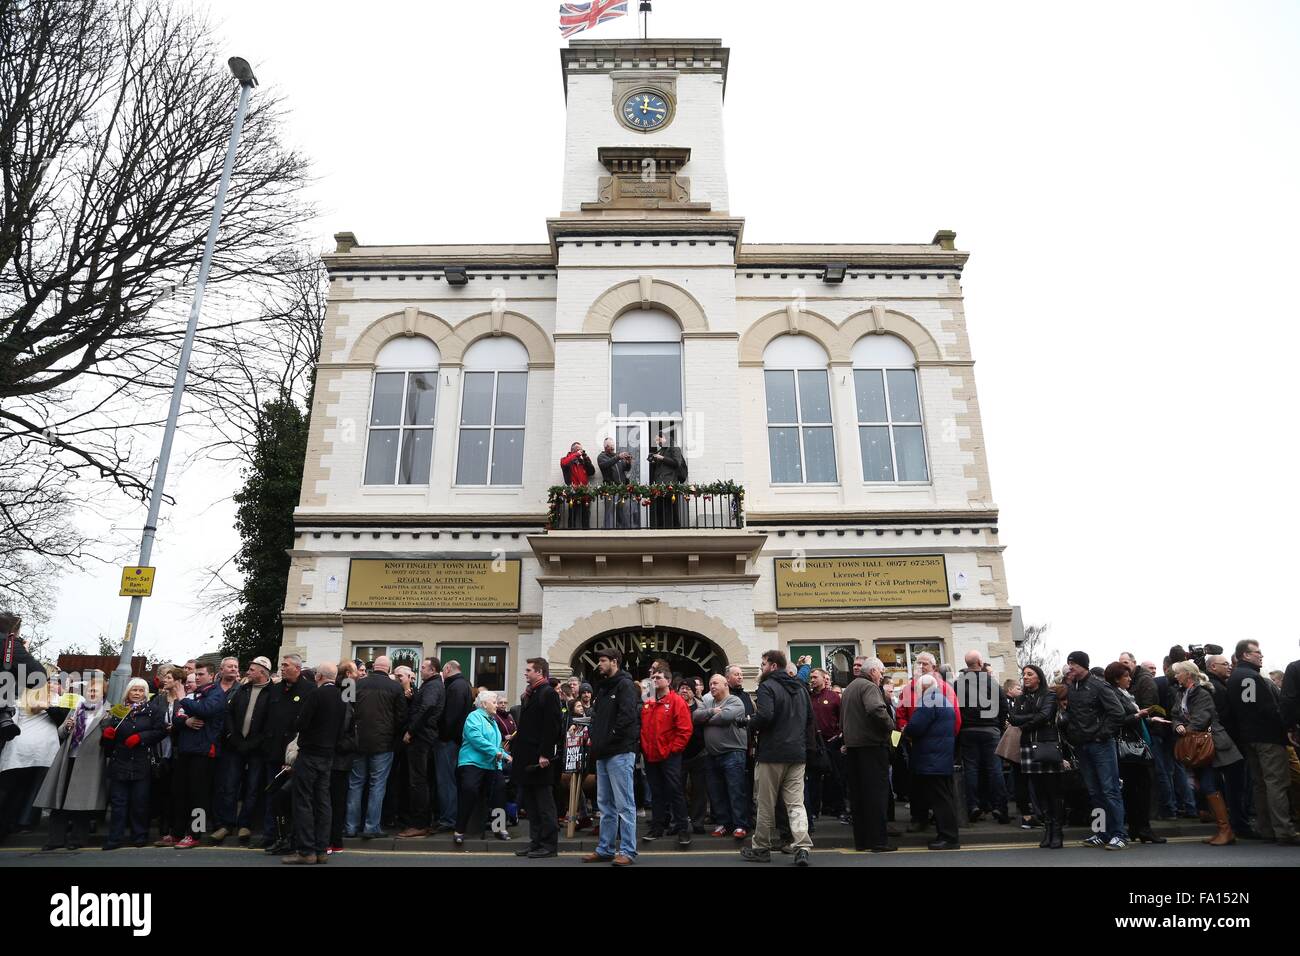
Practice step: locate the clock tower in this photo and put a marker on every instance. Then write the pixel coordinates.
(644, 127)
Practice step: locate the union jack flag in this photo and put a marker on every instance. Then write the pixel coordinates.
(575, 17)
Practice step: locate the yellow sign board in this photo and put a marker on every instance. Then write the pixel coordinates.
(434, 585)
(136, 582)
(903, 580)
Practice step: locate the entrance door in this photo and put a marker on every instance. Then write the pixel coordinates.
(687, 653)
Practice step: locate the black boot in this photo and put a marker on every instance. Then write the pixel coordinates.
(1057, 826)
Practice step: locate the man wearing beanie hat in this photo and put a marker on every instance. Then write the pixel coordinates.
(1093, 717)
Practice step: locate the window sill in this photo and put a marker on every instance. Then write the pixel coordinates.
(817, 488)
(895, 486)
(405, 490)
(487, 489)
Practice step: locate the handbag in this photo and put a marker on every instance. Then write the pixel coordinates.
(1133, 749)
(1195, 749)
(1049, 751)
(1009, 746)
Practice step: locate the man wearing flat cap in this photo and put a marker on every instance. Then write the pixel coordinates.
(1093, 719)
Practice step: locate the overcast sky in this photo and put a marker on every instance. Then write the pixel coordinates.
(1123, 174)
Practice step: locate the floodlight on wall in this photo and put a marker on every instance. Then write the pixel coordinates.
(834, 273)
(455, 275)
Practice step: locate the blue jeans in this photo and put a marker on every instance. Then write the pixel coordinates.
(445, 755)
(982, 768)
(614, 797)
(239, 782)
(1099, 764)
(1172, 785)
(374, 767)
(727, 790)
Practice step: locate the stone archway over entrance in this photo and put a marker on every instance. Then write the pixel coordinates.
(688, 654)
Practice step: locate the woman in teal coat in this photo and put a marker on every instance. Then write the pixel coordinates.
(479, 765)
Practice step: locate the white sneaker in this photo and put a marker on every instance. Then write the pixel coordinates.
(1116, 844)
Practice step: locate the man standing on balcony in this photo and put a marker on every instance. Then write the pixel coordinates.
(578, 470)
(614, 468)
(667, 466)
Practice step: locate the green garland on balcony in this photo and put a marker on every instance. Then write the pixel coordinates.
(562, 496)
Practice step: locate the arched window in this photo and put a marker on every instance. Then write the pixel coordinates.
(399, 447)
(492, 410)
(800, 437)
(890, 432)
(645, 383)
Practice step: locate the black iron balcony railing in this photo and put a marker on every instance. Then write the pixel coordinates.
(631, 507)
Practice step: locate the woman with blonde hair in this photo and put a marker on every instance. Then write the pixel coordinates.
(128, 743)
(76, 787)
(1194, 712)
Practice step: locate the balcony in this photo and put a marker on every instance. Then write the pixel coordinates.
(634, 507)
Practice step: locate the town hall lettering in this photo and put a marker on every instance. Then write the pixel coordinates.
(636, 644)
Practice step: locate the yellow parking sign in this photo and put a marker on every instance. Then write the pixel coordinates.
(136, 582)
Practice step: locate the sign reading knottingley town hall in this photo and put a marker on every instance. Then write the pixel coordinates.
(781, 443)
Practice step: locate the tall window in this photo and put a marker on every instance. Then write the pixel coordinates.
(800, 438)
(492, 408)
(890, 432)
(646, 366)
(399, 447)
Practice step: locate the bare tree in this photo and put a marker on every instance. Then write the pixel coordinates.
(1034, 650)
(114, 118)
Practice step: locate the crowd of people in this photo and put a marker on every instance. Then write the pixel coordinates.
(294, 760)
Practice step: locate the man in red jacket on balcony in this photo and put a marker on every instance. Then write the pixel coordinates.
(665, 732)
(578, 471)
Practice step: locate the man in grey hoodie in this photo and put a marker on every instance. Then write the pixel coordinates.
(725, 739)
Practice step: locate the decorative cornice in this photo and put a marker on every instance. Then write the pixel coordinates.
(871, 518)
(771, 619)
(309, 521)
(682, 55)
(647, 581)
(341, 618)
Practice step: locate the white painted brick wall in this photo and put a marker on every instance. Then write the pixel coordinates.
(591, 123)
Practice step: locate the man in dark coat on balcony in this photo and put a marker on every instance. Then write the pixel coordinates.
(667, 466)
(615, 466)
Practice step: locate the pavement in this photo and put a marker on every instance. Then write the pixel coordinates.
(984, 844)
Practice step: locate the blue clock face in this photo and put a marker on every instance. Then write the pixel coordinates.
(645, 110)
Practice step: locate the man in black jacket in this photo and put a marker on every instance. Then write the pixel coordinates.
(1255, 703)
(1235, 786)
(380, 712)
(615, 737)
(421, 734)
(1092, 722)
(320, 725)
(983, 706)
(783, 720)
(287, 698)
(240, 765)
(457, 702)
(537, 749)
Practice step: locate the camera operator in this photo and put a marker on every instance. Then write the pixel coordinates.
(667, 466)
(578, 472)
(615, 466)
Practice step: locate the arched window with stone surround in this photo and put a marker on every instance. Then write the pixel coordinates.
(800, 433)
(403, 403)
(645, 383)
(494, 400)
(891, 433)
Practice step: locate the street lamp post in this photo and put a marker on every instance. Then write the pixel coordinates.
(244, 74)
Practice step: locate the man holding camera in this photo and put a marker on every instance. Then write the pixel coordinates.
(578, 471)
(667, 466)
(615, 466)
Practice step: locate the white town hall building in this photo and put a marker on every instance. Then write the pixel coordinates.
(836, 496)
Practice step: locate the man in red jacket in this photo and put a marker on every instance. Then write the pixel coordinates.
(578, 471)
(665, 732)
